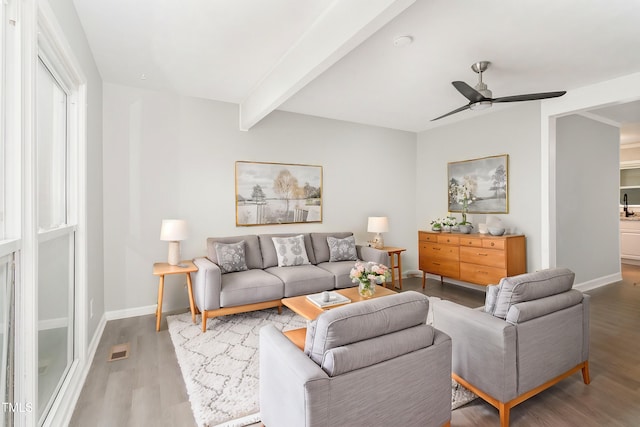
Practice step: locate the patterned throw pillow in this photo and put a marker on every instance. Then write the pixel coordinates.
(342, 249)
(491, 298)
(290, 251)
(231, 256)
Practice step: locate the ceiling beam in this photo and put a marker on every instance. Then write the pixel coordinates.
(343, 26)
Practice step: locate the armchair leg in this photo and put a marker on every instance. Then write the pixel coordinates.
(204, 321)
(585, 372)
(504, 410)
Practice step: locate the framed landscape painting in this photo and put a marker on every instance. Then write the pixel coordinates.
(277, 193)
(483, 182)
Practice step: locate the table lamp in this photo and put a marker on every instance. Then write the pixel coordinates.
(378, 224)
(173, 231)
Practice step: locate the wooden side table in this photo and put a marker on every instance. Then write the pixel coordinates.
(161, 269)
(393, 254)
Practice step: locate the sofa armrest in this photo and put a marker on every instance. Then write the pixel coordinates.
(484, 348)
(369, 254)
(289, 379)
(207, 284)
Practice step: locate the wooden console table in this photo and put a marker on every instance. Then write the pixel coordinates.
(482, 259)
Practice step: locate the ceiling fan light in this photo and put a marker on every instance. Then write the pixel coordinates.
(482, 105)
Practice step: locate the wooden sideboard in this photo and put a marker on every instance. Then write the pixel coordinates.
(475, 258)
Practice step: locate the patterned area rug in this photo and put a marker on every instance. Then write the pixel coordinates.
(220, 367)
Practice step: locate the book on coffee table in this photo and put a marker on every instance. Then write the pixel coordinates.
(334, 299)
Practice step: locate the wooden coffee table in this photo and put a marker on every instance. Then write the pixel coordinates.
(305, 308)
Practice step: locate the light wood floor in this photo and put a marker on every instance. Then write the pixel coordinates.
(147, 388)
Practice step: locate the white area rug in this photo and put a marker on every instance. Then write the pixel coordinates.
(220, 367)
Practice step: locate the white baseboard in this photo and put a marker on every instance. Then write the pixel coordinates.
(130, 312)
(598, 282)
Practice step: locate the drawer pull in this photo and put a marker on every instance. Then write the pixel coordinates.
(448, 240)
(436, 249)
(436, 263)
(480, 254)
(493, 244)
(482, 272)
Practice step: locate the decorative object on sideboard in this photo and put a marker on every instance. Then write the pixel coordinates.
(173, 231)
(367, 275)
(485, 182)
(277, 193)
(495, 226)
(378, 224)
(482, 228)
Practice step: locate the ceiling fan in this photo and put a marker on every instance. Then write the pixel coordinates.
(480, 97)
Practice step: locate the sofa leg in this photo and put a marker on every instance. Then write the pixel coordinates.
(585, 372)
(279, 309)
(504, 414)
(204, 321)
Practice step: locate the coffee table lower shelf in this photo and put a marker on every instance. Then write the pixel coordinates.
(297, 336)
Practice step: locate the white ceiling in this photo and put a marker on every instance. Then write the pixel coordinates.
(227, 49)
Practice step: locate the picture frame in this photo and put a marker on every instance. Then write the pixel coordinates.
(484, 181)
(277, 193)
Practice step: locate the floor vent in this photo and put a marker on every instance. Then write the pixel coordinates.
(119, 352)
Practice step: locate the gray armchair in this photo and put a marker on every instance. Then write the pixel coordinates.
(372, 363)
(532, 332)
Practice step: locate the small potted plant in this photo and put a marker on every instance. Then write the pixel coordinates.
(436, 225)
(448, 222)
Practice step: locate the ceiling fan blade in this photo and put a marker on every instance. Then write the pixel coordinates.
(470, 93)
(466, 107)
(530, 96)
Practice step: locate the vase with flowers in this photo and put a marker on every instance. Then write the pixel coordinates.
(448, 222)
(461, 194)
(367, 275)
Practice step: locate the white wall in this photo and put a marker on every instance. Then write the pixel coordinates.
(587, 192)
(68, 19)
(170, 156)
(514, 131)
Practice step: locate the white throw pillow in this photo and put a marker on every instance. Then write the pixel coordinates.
(290, 251)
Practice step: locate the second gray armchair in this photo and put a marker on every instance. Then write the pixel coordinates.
(372, 363)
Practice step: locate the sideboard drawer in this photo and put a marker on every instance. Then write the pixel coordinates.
(442, 267)
(471, 241)
(436, 250)
(481, 274)
(493, 243)
(448, 239)
(482, 256)
(427, 237)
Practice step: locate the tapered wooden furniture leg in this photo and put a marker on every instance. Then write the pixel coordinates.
(204, 321)
(192, 304)
(424, 279)
(504, 414)
(159, 309)
(585, 373)
(399, 270)
(279, 309)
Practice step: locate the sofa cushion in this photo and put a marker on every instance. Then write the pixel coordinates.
(252, 253)
(531, 286)
(269, 255)
(364, 320)
(321, 246)
(342, 249)
(290, 251)
(231, 256)
(340, 271)
(362, 354)
(303, 279)
(247, 287)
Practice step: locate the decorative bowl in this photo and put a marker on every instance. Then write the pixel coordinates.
(496, 231)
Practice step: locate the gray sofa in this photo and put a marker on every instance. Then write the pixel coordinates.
(371, 363)
(260, 282)
(532, 332)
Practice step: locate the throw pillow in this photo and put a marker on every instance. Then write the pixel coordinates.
(491, 298)
(290, 251)
(231, 256)
(342, 249)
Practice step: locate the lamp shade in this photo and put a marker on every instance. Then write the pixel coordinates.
(173, 230)
(378, 224)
